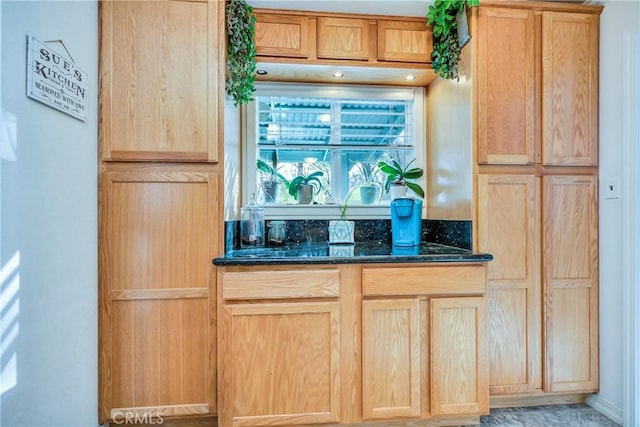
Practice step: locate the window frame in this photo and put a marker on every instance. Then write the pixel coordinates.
(329, 211)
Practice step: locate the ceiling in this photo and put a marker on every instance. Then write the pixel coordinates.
(370, 7)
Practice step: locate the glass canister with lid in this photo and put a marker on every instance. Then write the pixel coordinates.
(252, 224)
(277, 235)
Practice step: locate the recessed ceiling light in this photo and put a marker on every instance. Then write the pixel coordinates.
(261, 72)
(410, 77)
(338, 74)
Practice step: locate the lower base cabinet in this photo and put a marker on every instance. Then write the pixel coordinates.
(285, 359)
(394, 341)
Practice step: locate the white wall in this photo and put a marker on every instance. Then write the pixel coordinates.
(48, 227)
(617, 19)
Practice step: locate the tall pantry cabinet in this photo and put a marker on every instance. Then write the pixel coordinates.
(537, 204)
(160, 133)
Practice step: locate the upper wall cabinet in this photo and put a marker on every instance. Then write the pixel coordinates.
(537, 87)
(349, 38)
(343, 38)
(506, 97)
(404, 41)
(282, 35)
(569, 89)
(160, 74)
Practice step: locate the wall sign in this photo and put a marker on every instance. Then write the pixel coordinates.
(55, 80)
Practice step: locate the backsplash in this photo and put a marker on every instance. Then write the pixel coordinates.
(452, 233)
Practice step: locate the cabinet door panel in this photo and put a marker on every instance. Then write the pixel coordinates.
(282, 35)
(570, 266)
(343, 38)
(569, 89)
(157, 314)
(159, 229)
(159, 80)
(391, 358)
(160, 354)
(404, 41)
(508, 227)
(459, 365)
(284, 364)
(506, 81)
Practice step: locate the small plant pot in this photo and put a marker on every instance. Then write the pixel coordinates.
(305, 194)
(368, 194)
(397, 190)
(270, 190)
(341, 231)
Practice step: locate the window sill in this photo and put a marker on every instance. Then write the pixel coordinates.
(378, 211)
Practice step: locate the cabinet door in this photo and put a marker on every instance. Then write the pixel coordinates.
(161, 64)
(343, 38)
(157, 293)
(282, 35)
(459, 368)
(509, 228)
(281, 364)
(506, 77)
(569, 89)
(570, 271)
(390, 358)
(404, 41)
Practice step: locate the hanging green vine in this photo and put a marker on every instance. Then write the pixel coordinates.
(446, 50)
(241, 52)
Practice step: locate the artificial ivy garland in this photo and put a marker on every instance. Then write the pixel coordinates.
(241, 52)
(446, 50)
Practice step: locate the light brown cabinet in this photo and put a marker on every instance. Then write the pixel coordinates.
(541, 240)
(160, 73)
(570, 281)
(506, 90)
(282, 35)
(509, 226)
(570, 88)
(280, 355)
(157, 289)
(343, 38)
(391, 365)
(559, 55)
(302, 345)
(349, 39)
(404, 41)
(424, 355)
(537, 104)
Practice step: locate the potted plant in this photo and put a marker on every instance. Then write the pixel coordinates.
(271, 179)
(369, 185)
(398, 178)
(304, 186)
(448, 23)
(342, 230)
(241, 51)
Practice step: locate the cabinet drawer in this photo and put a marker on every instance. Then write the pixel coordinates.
(448, 280)
(280, 284)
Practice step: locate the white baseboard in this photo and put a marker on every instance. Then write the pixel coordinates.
(605, 407)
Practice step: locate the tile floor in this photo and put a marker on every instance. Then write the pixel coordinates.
(575, 415)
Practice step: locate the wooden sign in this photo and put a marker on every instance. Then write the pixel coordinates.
(55, 80)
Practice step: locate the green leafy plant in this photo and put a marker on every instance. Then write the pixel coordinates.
(400, 175)
(312, 179)
(270, 171)
(241, 52)
(446, 50)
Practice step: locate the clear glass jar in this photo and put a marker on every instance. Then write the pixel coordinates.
(277, 235)
(252, 224)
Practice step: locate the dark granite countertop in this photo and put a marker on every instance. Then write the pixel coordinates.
(358, 253)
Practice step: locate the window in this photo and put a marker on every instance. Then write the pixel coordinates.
(334, 134)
